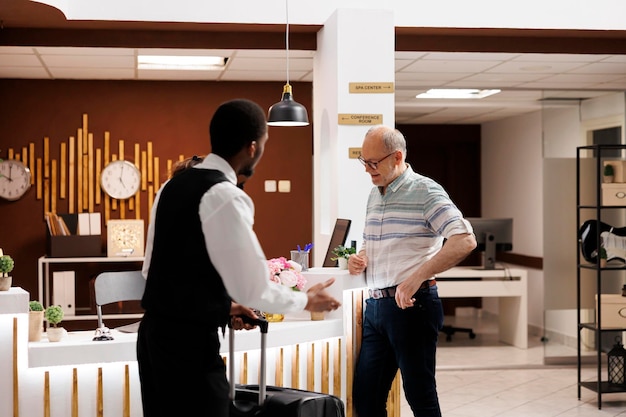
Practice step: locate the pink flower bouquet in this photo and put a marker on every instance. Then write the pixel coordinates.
(286, 273)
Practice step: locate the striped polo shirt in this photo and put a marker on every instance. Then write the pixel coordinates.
(406, 227)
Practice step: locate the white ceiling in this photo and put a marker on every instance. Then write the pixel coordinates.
(525, 79)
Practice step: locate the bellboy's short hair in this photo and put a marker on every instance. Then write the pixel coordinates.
(234, 125)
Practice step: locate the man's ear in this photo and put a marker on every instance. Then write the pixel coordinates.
(252, 149)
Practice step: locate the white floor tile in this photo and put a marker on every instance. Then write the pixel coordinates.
(483, 377)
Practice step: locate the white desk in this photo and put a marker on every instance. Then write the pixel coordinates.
(510, 286)
(43, 280)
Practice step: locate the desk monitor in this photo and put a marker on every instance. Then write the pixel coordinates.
(492, 235)
(340, 233)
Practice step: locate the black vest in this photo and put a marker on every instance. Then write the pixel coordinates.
(182, 282)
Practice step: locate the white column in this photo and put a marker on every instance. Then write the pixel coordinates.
(353, 46)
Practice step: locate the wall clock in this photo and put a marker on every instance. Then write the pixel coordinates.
(125, 238)
(14, 179)
(120, 179)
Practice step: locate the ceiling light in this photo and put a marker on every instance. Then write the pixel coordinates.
(287, 112)
(168, 62)
(457, 93)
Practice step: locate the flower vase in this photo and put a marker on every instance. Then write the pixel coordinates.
(343, 263)
(55, 334)
(5, 283)
(35, 325)
(274, 318)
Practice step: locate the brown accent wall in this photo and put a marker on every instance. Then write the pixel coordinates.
(175, 117)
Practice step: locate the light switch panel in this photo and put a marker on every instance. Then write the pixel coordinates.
(270, 186)
(284, 186)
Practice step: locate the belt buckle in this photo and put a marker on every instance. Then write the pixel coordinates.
(376, 294)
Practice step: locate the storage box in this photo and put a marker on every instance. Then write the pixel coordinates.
(73, 245)
(619, 167)
(613, 309)
(613, 194)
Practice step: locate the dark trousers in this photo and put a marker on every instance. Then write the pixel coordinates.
(406, 339)
(180, 370)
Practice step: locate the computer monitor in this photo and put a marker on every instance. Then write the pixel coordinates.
(492, 235)
(340, 233)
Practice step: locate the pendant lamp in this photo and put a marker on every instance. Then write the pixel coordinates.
(287, 112)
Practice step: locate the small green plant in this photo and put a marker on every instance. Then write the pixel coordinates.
(342, 252)
(603, 254)
(54, 315)
(35, 306)
(608, 170)
(6, 265)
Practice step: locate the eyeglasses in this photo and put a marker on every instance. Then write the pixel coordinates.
(373, 164)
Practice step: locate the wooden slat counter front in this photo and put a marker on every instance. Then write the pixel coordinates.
(305, 354)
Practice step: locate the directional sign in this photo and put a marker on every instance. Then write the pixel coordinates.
(360, 119)
(354, 153)
(371, 88)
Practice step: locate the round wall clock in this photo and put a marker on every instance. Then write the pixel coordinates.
(120, 179)
(14, 179)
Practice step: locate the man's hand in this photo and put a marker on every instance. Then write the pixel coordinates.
(237, 310)
(405, 291)
(357, 263)
(319, 299)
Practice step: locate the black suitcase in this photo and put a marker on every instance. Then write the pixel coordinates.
(261, 400)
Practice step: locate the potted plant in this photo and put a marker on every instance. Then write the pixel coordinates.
(54, 315)
(609, 173)
(35, 321)
(6, 266)
(342, 253)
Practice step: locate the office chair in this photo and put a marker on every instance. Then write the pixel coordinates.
(111, 287)
(450, 330)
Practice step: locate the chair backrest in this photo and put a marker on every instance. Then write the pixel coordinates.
(340, 233)
(111, 287)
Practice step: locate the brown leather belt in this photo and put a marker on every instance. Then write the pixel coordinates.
(390, 292)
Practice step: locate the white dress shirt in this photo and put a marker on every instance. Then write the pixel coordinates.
(227, 216)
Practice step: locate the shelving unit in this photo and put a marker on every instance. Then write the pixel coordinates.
(598, 154)
(44, 263)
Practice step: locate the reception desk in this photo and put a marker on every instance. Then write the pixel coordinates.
(305, 354)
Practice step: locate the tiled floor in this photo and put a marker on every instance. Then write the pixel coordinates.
(484, 378)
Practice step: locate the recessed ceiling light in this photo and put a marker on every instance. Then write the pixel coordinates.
(457, 93)
(166, 62)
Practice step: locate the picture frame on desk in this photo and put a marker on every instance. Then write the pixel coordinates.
(125, 238)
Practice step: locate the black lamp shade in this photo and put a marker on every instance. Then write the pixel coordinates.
(287, 112)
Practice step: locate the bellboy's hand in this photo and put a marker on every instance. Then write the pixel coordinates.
(357, 263)
(239, 310)
(319, 299)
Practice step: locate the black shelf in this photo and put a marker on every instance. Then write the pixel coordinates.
(605, 387)
(600, 153)
(594, 327)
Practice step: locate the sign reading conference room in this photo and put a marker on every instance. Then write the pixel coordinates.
(360, 119)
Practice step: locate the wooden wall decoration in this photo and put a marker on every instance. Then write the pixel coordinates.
(74, 178)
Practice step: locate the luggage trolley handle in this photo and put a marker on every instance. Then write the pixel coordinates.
(263, 326)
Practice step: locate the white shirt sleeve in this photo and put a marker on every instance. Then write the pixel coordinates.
(150, 236)
(227, 216)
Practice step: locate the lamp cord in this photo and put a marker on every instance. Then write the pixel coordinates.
(287, 35)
